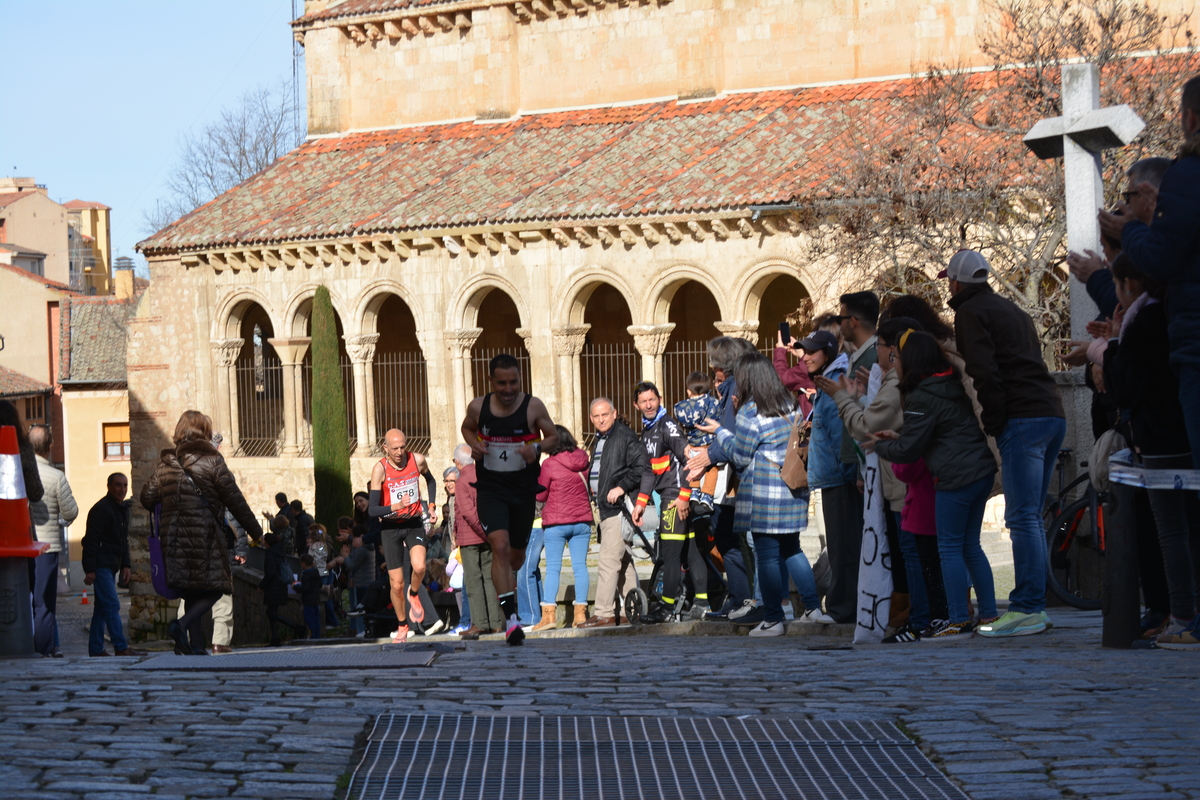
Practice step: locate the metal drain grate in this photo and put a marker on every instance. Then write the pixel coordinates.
(502, 758)
(292, 659)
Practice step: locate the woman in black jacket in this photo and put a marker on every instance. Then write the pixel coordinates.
(940, 426)
(275, 587)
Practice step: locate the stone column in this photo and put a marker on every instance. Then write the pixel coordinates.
(361, 350)
(739, 329)
(460, 343)
(225, 355)
(568, 344)
(291, 354)
(651, 342)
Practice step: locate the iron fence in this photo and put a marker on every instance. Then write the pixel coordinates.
(479, 368)
(259, 391)
(402, 399)
(347, 392)
(607, 370)
(679, 360)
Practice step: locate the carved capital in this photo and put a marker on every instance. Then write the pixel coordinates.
(291, 351)
(226, 351)
(462, 340)
(740, 329)
(651, 340)
(526, 335)
(361, 348)
(569, 339)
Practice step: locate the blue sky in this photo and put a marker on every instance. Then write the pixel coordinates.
(95, 94)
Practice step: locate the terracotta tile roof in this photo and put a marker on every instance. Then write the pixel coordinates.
(49, 284)
(627, 161)
(13, 384)
(85, 204)
(8, 198)
(93, 337)
(357, 8)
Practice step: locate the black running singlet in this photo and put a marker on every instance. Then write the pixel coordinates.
(503, 468)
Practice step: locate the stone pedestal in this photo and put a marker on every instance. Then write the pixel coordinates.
(1077, 402)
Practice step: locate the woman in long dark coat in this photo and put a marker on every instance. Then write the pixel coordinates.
(195, 487)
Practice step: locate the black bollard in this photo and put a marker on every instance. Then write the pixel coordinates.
(16, 609)
(1122, 589)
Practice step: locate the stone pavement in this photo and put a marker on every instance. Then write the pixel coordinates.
(1051, 716)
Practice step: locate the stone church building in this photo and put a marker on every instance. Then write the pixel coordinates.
(597, 186)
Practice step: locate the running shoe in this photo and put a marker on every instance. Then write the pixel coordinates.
(906, 635)
(400, 635)
(1186, 639)
(746, 607)
(765, 628)
(813, 616)
(951, 632)
(696, 612)
(721, 613)
(513, 633)
(1014, 623)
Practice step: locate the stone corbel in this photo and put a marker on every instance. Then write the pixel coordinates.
(526, 335)
(740, 329)
(720, 231)
(513, 241)
(673, 232)
(462, 340)
(698, 232)
(651, 340)
(291, 351)
(226, 351)
(361, 348)
(560, 237)
(745, 228)
(650, 234)
(569, 339)
(585, 239)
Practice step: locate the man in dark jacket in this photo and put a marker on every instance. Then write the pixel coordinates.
(106, 553)
(1023, 411)
(1168, 250)
(618, 462)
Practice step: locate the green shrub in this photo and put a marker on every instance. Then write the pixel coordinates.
(330, 442)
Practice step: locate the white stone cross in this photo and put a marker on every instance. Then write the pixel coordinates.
(1079, 136)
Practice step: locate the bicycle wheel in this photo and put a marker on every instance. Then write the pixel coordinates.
(1075, 555)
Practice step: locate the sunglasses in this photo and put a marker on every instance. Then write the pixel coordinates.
(1127, 195)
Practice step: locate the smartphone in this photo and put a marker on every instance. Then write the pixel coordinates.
(786, 333)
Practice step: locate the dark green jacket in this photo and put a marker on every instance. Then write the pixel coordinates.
(940, 426)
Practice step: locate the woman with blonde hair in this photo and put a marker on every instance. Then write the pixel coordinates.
(194, 486)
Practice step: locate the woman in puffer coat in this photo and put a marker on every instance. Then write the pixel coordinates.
(194, 486)
(940, 426)
(567, 522)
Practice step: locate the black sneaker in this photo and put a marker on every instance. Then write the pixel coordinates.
(906, 635)
(659, 614)
(357, 611)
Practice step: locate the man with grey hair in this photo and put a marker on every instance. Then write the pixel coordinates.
(56, 508)
(618, 463)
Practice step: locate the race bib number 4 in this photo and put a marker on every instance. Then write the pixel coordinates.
(504, 457)
(403, 492)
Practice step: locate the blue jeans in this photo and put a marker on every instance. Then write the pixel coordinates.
(107, 613)
(1029, 449)
(750, 553)
(778, 558)
(529, 581)
(959, 518)
(312, 618)
(918, 597)
(578, 536)
(43, 580)
(729, 546)
(464, 617)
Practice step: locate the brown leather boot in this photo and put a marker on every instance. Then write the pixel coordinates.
(548, 621)
(580, 615)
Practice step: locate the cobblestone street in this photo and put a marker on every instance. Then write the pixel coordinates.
(1050, 716)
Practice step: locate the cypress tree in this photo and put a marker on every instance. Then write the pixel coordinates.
(330, 442)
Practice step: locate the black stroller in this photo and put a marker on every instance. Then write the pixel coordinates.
(638, 602)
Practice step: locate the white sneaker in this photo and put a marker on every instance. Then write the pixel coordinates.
(813, 616)
(747, 607)
(765, 628)
(435, 628)
(360, 635)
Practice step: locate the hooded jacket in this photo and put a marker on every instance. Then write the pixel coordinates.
(566, 494)
(1169, 250)
(940, 427)
(884, 413)
(194, 551)
(1003, 356)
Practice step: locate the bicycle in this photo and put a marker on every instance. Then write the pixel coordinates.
(1075, 539)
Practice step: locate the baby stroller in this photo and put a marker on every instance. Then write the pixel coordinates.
(638, 602)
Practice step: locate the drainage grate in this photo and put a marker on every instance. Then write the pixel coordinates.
(632, 758)
(292, 658)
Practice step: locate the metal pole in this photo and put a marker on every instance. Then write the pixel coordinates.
(16, 609)
(1122, 590)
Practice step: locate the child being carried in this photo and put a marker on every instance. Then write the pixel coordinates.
(700, 405)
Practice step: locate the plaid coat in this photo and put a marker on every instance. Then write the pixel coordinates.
(764, 503)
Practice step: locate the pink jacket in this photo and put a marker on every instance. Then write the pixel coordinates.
(566, 495)
(918, 516)
(466, 512)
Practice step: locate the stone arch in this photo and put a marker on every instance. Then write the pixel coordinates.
(579, 291)
(662, 291)
(299, 310)
(372, 299)
(470, 296)
(755, 280)
(232, 311)
(693, 310)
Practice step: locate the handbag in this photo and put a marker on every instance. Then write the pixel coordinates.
(158, 570)
(794, 469)
(1110, 442)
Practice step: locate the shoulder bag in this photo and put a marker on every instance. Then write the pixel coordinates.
(794, 469)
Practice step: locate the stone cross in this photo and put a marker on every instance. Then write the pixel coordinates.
(1079, 136)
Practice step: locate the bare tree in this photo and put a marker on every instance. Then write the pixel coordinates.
(947, 168)
(246, 139)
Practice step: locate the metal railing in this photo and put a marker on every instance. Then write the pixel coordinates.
(679, 360)
(260, 407)
(347, 392)
(607, 370)
(402, 399)
(479, 368)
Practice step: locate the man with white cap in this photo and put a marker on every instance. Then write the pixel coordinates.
(1023, 411)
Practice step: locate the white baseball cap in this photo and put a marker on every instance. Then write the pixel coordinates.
(967, 266)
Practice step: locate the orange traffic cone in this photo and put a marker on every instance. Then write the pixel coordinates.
(84, 601)
(16, 534)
